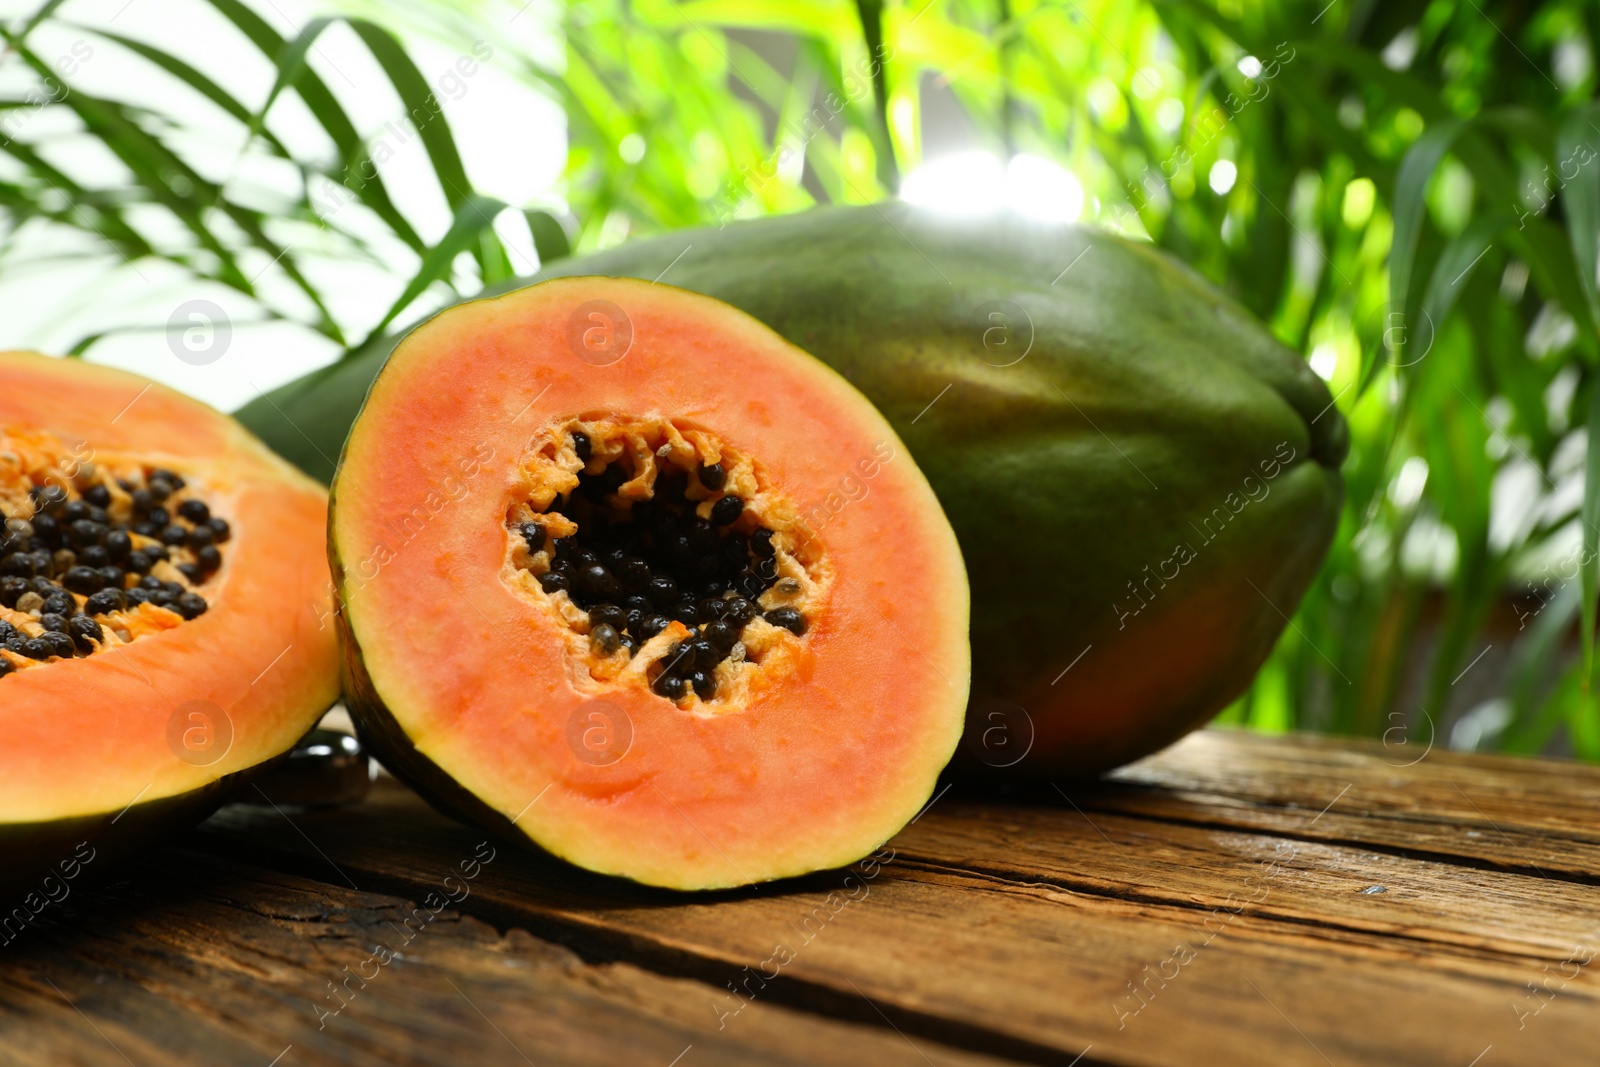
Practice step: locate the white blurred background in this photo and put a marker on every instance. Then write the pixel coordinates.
(56, 285)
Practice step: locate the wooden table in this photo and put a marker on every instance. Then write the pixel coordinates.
(1234, 900)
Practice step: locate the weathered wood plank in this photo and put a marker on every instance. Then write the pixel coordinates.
(1536, 816)
(1038, 938)
(199, 960)
(1337, 889)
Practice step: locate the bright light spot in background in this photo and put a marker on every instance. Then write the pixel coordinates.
(974, 183)
(1399, 53)
(1169, 113)
(1360, 196)
(1250, 67)
(967, 184)
(1324, 360)
(631, 148)
(1572, 63)
(903, 118)
(1103, 96)
(1042, 189)
(1223, 175)
(1407, 487)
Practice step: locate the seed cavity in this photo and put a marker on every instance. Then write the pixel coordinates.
(667, 555)
(95, 554)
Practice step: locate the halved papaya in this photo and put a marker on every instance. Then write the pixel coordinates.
(165, 614)
(582, 605)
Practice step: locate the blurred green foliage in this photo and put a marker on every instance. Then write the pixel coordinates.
(1408, 191)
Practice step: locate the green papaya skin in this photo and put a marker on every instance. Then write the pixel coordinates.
(1143, 481)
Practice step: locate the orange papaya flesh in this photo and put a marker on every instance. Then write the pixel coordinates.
(582, 605)
(165, 610)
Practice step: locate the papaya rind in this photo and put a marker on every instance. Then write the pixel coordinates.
(36, 850)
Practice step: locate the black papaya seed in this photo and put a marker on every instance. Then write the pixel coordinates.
(713, 476)
(609, 615)
(604, 639)
(104, 602)
(191, 605)
(670, 686)
(704, 683)
(726, 511)
(721, 635)
(84, 630)
(740, 611)
(788, 619)
(598, 581)
(83, 580)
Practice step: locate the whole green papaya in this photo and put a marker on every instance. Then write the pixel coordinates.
(1143, 481)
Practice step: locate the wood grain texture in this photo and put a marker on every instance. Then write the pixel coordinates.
(205, 961)
(1233, 900)
(1531, 816)
(1039, 967)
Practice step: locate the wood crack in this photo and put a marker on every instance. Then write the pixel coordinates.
(596, 944)
(1335, 933)
(1478, 863)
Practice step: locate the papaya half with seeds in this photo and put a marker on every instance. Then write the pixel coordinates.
(165, 616)
(581, 604)
(1143, 481)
